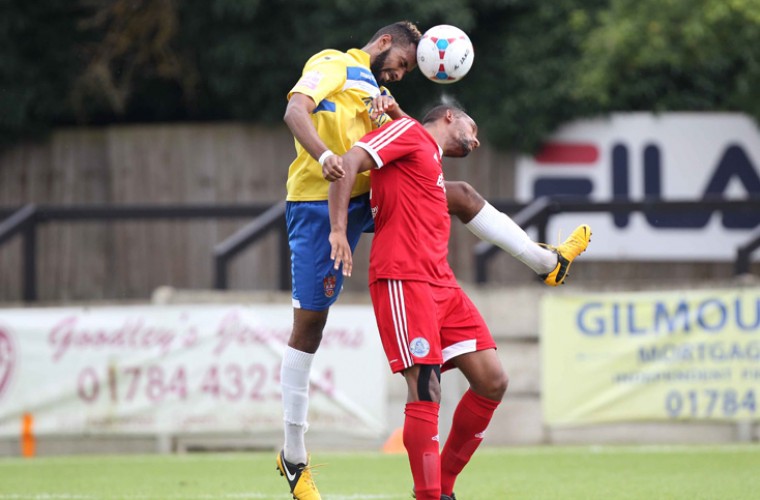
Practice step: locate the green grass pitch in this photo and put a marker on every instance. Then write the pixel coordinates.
(566, 473)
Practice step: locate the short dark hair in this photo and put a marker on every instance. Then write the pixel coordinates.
(439, 112)
(402, 33)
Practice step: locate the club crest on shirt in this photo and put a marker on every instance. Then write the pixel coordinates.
(329, 283)
(419, 347)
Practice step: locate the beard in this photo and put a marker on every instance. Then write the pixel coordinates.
(468, 148)
(465, 147)
(377, 65)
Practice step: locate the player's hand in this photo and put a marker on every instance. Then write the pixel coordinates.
(340, 252)
(384, 104)
(332, 168)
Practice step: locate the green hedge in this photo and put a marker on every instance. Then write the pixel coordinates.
(538, 64)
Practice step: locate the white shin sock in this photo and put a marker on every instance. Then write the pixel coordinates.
(496, 227)
(294, 377)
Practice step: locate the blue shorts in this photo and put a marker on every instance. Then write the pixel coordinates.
(316, 285)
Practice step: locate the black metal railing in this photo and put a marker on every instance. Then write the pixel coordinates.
(25, 221)
(225, 251)
(267, 217)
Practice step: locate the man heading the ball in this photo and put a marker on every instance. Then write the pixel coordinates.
(337, 100)
(427, 324)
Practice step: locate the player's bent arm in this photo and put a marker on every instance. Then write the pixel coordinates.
(496, 227)
(338, 197)
(463, 200)
(298, 119)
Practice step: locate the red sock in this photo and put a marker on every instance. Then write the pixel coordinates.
(470, 421)
(422, 446)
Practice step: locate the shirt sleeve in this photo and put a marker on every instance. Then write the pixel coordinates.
(323, 76)
(392, 141)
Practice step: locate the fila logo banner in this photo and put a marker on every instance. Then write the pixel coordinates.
(673, 156)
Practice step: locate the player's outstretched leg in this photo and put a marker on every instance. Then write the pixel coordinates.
(571, 248)
(299, 477)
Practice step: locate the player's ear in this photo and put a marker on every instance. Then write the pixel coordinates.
(384, 42)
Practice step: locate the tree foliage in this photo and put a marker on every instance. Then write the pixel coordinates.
(37, 66)
(697, 55)
(539, 63)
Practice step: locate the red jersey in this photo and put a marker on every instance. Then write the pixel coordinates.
(408, 201)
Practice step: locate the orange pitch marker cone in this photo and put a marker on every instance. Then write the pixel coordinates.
(395, 442)
(28, 442)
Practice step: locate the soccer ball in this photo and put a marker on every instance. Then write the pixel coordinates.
(445, 54)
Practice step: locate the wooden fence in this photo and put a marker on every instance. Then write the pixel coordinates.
(156, 164)
(223, 163)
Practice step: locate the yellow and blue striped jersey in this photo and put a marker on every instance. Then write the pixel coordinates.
(342, 86)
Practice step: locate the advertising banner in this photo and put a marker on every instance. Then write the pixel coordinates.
(643, 156)
(664, 356)
(182, 369)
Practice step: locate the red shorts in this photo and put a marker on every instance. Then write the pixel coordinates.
(420, 323)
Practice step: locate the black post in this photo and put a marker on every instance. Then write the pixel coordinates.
(741, 266)
(481, 271)
(744, 255)
(30, 261)
(220, 271)
(541, 226)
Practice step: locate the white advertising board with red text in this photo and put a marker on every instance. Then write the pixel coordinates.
(188, 368)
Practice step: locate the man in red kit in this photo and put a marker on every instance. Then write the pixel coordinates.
(427, 324)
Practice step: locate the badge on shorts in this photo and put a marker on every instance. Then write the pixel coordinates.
(420, 347)
(329, 283)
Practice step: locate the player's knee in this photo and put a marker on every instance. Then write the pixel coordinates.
(463, 200)
(499, 387)
(493, 387)
(426, 385)
(307, 330)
